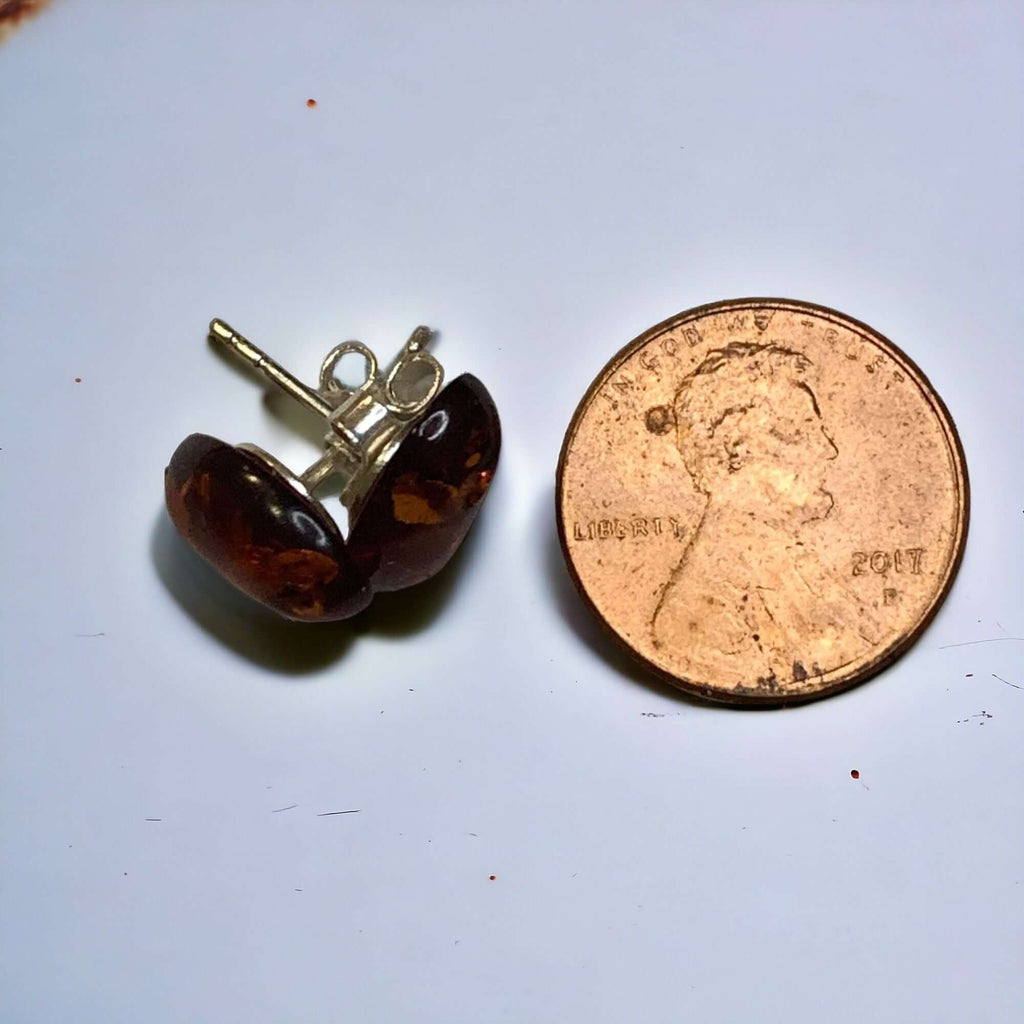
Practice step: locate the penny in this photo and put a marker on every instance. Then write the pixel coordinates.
(764, 500)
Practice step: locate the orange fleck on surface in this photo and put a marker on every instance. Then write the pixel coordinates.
(422, 502)
(472, 460)
(311, 103)
(493, 877)
(854, 774)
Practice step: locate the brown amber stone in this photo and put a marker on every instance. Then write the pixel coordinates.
(261, 533)
(426, 498)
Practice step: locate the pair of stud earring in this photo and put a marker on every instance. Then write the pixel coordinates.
(415, 461)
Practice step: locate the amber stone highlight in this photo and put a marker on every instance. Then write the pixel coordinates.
(260, 533)
(421, 507)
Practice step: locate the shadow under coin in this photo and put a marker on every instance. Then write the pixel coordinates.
(578, 617)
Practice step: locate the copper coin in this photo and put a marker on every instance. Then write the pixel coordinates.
(764, 500)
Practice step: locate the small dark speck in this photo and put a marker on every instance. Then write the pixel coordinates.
(278, 810)
(78, 380)
(90, 634)
(650, 714)
(154, 819)
(329, 814)
(970, 675)
(311, 103)
(473, 834)
(297, 890)
(854, 774)
(492, 877)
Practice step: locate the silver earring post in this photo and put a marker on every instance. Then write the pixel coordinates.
(365, 422)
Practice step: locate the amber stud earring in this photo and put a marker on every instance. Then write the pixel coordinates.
(415, 461)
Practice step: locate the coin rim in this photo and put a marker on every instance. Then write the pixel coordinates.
(900, 646)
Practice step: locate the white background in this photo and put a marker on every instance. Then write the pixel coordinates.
(541, 181)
